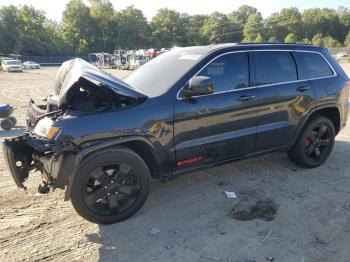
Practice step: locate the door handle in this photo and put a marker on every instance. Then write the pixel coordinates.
(246, 98)
(303, 88)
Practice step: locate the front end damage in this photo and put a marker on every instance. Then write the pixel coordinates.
(48, 145)
(28, 152)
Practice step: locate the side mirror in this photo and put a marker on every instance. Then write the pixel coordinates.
(199, 85)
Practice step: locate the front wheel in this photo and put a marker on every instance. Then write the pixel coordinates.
(315, 144)
(110, 185)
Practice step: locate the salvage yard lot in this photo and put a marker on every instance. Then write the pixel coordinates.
(304, 214)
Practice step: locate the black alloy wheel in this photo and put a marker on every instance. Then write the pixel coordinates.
(112, 189)
(111, 185)
(315, 143)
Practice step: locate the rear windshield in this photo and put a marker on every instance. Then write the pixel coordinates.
(313, 65)
(158, 75)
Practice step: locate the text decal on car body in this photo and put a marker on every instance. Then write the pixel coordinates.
(189, 161)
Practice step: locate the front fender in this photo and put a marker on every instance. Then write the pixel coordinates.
(75, 160)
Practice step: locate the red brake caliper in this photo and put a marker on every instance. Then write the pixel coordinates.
(307, 142)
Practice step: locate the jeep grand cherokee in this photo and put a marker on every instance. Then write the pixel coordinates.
(102, 139)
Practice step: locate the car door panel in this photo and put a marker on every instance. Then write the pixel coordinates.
(219, 126)
(280, 109)
(280, 105)
(215, 127)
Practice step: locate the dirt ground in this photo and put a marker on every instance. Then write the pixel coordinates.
(281, 213)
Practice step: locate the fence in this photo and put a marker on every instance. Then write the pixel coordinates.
(50, 60)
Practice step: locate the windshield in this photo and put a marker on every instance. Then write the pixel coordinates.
(12, 62)
(158, 75)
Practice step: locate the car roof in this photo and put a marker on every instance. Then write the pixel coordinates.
(246, 46)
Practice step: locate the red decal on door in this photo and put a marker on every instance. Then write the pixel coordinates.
(189, 161)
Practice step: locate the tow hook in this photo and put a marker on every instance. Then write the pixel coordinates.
(43, 189)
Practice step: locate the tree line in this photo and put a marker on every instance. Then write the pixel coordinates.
(99, 27)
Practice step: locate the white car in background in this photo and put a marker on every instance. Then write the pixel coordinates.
(137, 61)
(12, 66)
(31, 65)
(342, 54)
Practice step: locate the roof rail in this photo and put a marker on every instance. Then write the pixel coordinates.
(271, 43)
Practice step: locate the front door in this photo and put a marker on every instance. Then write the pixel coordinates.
(222, 125)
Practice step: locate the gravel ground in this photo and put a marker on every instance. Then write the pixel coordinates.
(282, 212)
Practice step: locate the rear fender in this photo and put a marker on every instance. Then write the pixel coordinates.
(306, 118)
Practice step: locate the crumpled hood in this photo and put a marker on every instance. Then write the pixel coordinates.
(73, 70)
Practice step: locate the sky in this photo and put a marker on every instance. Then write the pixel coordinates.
(54, 8)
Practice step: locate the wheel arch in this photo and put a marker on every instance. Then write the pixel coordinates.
(331, 111)
(140, 145)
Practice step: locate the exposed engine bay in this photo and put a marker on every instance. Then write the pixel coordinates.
(82, 87)
(84, 96)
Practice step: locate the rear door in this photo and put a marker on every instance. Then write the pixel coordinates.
(222, 125)
(283, 98)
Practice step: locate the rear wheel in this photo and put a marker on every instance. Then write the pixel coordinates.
(6, 124)
(315, 143)
(110, 186)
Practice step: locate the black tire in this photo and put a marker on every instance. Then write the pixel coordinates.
(13, 120)
(6, 124)
(91, 183)
(315, 144)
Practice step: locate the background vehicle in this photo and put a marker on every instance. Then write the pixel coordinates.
(122, 61)
(31, 65)
(12, 66)
(136, 61)
(7, 121)
(342, 54)
(102, 139)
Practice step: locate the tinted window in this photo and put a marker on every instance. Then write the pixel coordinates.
(274, 67)
(157, 76)
(313, 65)
(228, 72)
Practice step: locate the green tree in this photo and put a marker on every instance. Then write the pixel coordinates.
(253, 28)
(241, 15)
(238, 19)
(324, 21)
(76, 26)
(347, 40)
(134, 30)
(290, 38)
(330, 42)
(259, 38)
(344, 17)
(195, 30)
(317, 40)
(272, 39)
(274, 27)
(288, 21)
(103, 27)
(306, 41)
(9, 29)
(219, 29)
(168, 28)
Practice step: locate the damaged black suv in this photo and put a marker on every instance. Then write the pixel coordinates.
(102, 139)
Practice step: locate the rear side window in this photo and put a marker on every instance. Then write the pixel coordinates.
(274, 67)
(228, 72)
(312, 65)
